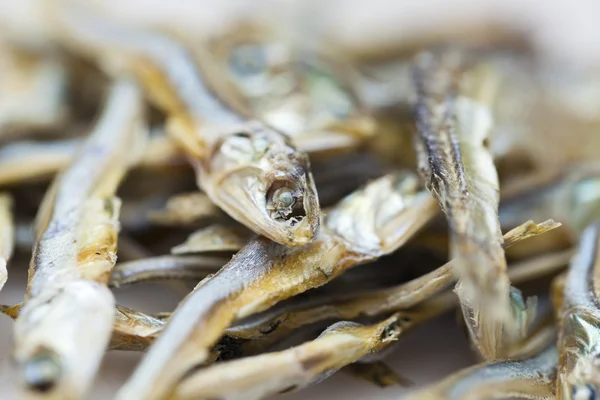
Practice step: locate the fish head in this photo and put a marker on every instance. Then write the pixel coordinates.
(258, 177)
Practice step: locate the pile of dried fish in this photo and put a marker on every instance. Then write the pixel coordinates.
(142, 154)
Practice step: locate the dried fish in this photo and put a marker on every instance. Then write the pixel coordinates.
(31, 91)
(579, 341)
(214, 238)
(132, 330)
(7, 235)
(247, 168)
(453, 123)
(378, 373)
(65, 324)
(185, 209)
(571, 196)
(164, 268)
(371, 222)
(339, 345)
(531, 378)
(298, 92)
(30, 160)
(279, 323)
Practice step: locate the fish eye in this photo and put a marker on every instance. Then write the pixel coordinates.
(284, 197)
(42, 372)
(284, 202)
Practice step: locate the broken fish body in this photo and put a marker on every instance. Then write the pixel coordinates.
(67, 318)
(249, 169)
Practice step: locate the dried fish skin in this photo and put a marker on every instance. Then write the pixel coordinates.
(249, 169)
(164, 268)
(579, 339)
(68, 306)
(259, 276)
(454, 122)
(339, 345)
(7, 235)
(531, 378)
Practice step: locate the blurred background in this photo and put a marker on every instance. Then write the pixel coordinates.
(561, 32)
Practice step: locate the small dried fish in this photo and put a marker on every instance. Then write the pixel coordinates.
(571, 196)
(531, 378)
(23, 161)
(298, 92)
(183, 209)
(134, 330)
(579, 341)
(30, 160)
(247, 168)
(340, 344)
(279, 323)
(454, 123)
(65, 324)
(371, 222)
(7, 235)
(164, 268)
(31, 91)
(214, 238)
(378, 373)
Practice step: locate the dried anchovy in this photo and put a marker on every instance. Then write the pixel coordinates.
(453, 124)
(164, 268)
(281, 322)
(371, 222)
(215, 237)
(132, 330)
(378, 373)
(571, 196)
(7, 235)
(579, 341)
(247, 168)
(339, 345)
(304, 95)
(531, 378)
(31, 91)
(66, 321)
(24, 161)
(185, 209)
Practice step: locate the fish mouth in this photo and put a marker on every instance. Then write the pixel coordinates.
(283, 208)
